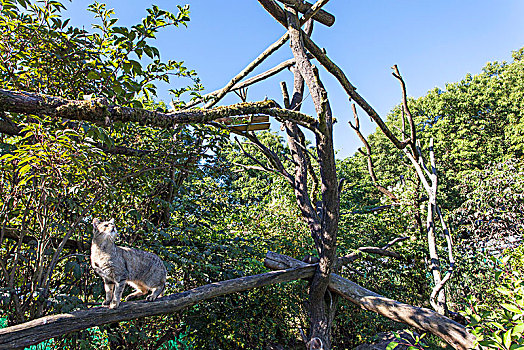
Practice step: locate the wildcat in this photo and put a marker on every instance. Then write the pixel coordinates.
(117, 266)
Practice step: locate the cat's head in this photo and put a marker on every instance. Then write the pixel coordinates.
(105, 229)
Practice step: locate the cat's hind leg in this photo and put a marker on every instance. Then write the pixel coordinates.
(140, 290)
(156, 292)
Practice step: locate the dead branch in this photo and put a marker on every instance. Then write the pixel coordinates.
(344, 260)
(250, 156)
(405, 109)
(271, 156)
(426, 320)
(279, 14)
(48, 327)
(248, 82)
(313, 10)
(371, 167)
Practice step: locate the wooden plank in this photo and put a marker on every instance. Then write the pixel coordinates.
(250, 127)
(244, 120)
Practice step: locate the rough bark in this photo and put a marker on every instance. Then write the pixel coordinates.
(40, 329)
(100, 112)
(426, 320)
(319, 310)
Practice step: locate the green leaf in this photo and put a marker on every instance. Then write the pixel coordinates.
(507, 339)
(511, 308)
(519, 328)
(92, 75)
(392, 345)
(24, 169)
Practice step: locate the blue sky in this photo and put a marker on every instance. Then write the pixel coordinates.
(432, 42)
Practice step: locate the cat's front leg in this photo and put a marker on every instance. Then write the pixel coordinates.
(109, 287)
(117, 295)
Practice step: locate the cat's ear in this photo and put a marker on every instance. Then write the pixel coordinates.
(96, 222)
(112, 221)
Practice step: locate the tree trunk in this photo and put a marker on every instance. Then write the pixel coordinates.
(426, 320)
(320, 309)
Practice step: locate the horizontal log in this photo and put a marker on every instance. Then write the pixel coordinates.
(322, 16)
(14, 234)
(424, 319)
(100, 112)
(38, 330)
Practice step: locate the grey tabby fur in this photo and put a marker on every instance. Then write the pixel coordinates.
(117, 266)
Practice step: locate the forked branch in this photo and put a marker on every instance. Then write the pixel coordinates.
(367, 154)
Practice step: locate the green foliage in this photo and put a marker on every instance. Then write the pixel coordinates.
(41, 52)
(415, 343)
(497, 318)
(494, 202)
(182, 194)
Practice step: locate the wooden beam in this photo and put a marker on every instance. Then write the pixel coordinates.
(38, 330)
(244, 120)
(251, 127)
(322, 16)
(424, 319)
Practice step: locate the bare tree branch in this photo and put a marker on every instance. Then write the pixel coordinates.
(344, 260)
(371, 168)
(313, 11)
(272, 48)
(262, 76)
(279, 14)
(405, 109)
(262, 166)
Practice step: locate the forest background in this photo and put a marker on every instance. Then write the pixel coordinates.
(210, 219)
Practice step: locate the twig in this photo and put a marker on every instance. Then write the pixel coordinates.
(263, 167)
(405, 108)
(275, 46)
(344, 260)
